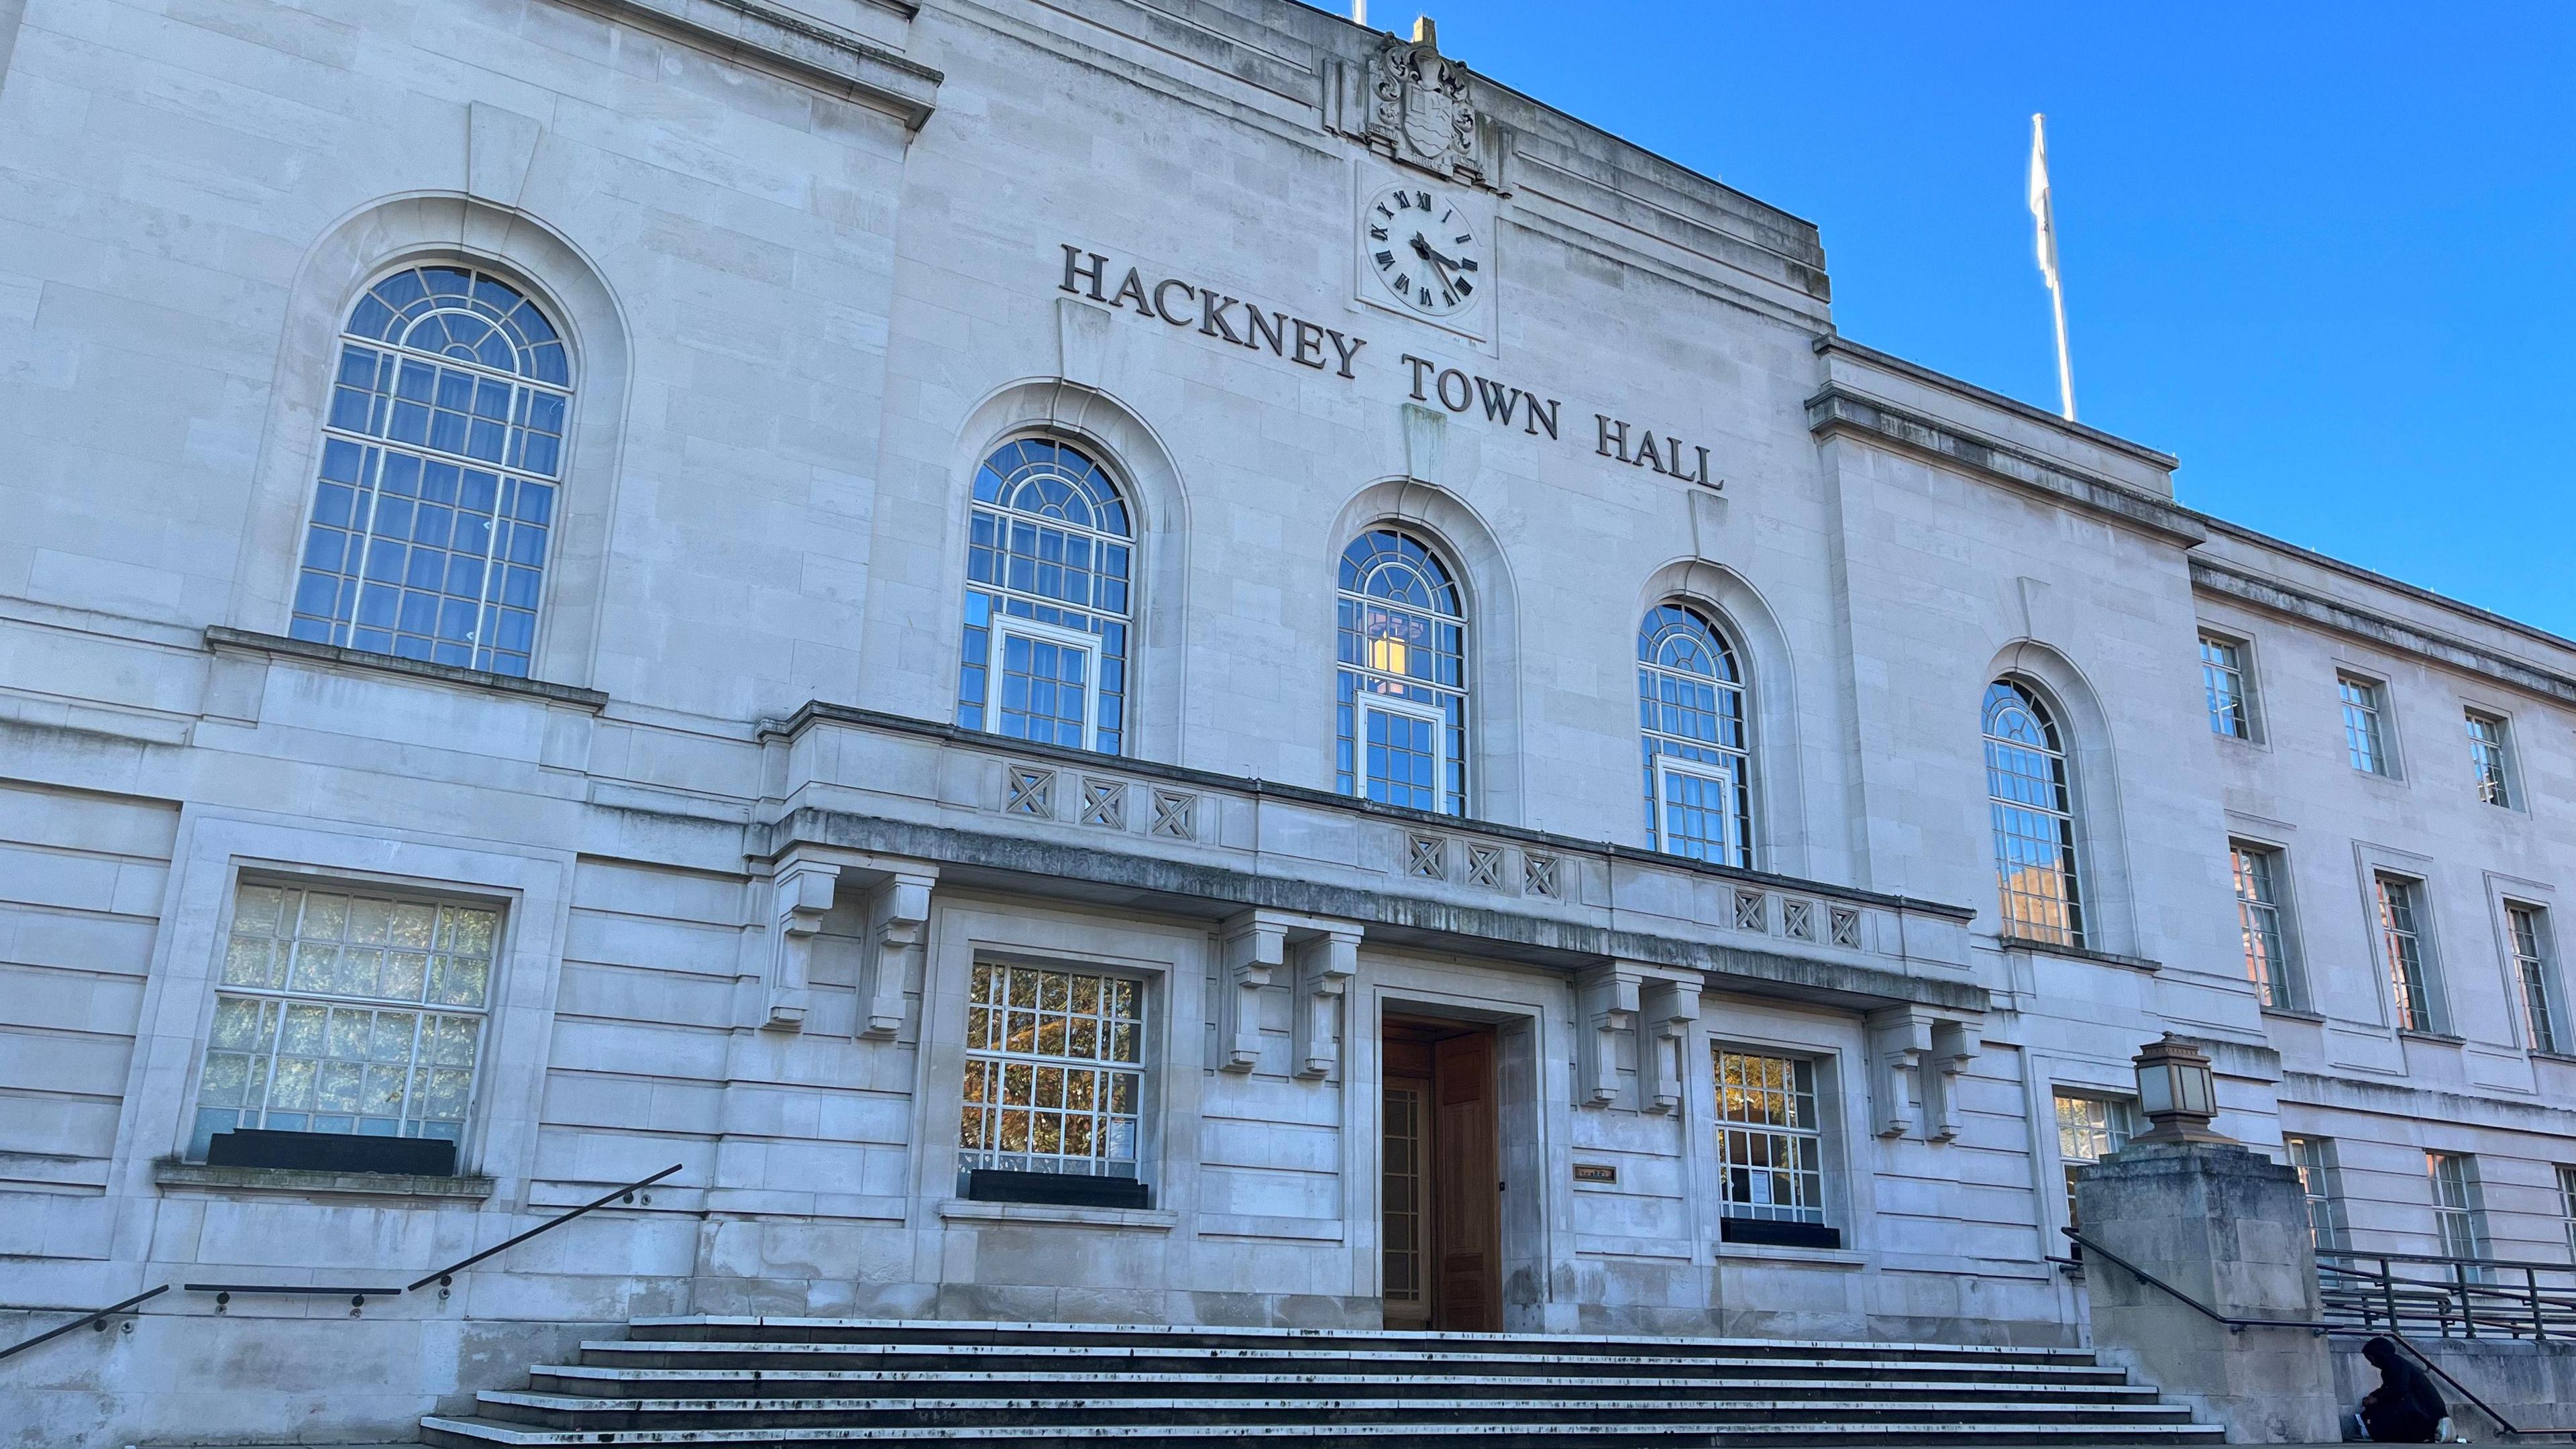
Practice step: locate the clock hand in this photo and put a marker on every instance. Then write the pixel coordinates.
(1423, 249)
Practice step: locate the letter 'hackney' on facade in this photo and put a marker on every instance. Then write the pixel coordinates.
(1100, 680)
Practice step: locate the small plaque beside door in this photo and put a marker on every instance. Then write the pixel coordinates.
(1595, 1172)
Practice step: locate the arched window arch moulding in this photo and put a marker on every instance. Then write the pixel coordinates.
(1745, 619)
(2093, 780)
(1490, 604)
(1136, 464)
(353, 255)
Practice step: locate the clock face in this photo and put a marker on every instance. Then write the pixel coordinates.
(1420, 246)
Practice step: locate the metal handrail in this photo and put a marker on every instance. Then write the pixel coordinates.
(2456, 1296)
(97, 1319)
(2315, 1326)
(446, 1276)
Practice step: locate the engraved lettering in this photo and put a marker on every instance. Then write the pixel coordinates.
(1421, 367)
(1310, 338)
(1349, 347)
(1134, 287)
(1466, 394)
(1212, 321)
(1075, 271)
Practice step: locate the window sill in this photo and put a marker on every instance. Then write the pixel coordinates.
(2562, 1058)
(308, 1183)
(2078, 953)
(2292, 1013)
(2443, 1038)
(1149, 1220)
(1751, 1253)
(277, 645)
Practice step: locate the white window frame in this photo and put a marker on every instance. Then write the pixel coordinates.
(2321, 1182)
(2383, 731)
(1667, 766)
(1822, 1212)
(2567, 1205)
(2435, 1019)
(2289, 988)
(1082, 640)
(2507, 792)
(1101, 1163)
(2246, 701)
(2469, 1213)
(2539, 968)
(2120, 1122)
(1364, 700)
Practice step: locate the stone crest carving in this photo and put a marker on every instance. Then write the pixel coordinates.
(1421, 109)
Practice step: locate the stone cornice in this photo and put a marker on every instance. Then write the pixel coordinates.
(2217, 577)
(820, 712)
(1840, 409)
(2420, 1104)
(278, 646)
(789, 45)
(1888, 362)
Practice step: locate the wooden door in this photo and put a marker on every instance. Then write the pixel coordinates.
(1465, 1199)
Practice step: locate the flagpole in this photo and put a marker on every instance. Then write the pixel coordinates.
(2043, 215)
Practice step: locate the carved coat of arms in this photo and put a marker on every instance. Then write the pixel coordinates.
(1423, 113)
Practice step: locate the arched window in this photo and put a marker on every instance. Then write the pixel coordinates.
(1403, 678)
(1048, 565)
(440, 459)
(2034, 817)
(1690, 704)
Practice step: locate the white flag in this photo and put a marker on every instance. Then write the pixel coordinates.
(2042, 214)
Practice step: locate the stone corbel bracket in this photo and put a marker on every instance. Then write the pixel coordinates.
(1903, 1041)
(1317, 956)
(1657, 1005)
(898, 922)
(800, 896)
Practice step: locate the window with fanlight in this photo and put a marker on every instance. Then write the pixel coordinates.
(435, 504)
(2032, 806)
(1698, 761)
(1401, 711)
(1050, 569)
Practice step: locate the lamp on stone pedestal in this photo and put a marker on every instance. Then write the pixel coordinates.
(2178, 1092)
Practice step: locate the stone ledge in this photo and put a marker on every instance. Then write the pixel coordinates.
(301, 1180)
(2247, 587)
(2078, 953)
(793, 46)
(218, 637)
(1150, 1220)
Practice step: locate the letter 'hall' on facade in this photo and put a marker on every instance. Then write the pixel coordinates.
(1110, 663)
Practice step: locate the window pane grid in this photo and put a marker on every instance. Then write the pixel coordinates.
(1053, 1071)
(1400, 635)
(2459, 1209)
(2567, 1206)
(435, 498)
(346, 1013)
(2034, 818)
(2531, 962)
(2486, 758)
(1047, 541)
(2363, 741)
(1690, 707)
(1770, 1142)
(2088, 1130)
(2404, 941)
(2258, 919)
(1404, 1207)
(2222, 677)
(2313, 1157)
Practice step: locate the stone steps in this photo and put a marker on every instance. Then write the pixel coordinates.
(777, 1383)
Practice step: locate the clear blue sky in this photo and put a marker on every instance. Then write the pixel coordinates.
(2326, 254)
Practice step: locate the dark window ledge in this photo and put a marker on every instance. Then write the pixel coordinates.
(279, 646)
(2443, 1037)
(2078, 953)
(2563, 1058)
(303, 1181)
(2292, 1013)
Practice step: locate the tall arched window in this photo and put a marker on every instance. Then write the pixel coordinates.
(1690, 704)
(440, 459)
(2034, 816)
(1048, 565)
(1402, 684)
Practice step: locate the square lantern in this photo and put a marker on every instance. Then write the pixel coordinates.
(2178, 1091)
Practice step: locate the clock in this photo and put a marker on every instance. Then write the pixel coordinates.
(1419, 244)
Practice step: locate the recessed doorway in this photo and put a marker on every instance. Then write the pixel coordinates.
(1441, 1213)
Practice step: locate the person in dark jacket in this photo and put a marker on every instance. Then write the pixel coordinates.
(2405, 1408)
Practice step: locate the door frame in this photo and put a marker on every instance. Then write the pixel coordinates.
(1530, 1029)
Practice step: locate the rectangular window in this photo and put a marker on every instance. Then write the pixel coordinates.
(2364, 737)
(2486, 758)
(2567, 1206)
(1702, 809)
(2258, 918)
(2222, 678)
(2531, 955)
(1403, 748)
(2088, 1130)
(1770, 1138)
(2459, 1206)
(1045, 681)
(2402, 936)
(1054, 1074)
(346, 1012)
(2322, 1182)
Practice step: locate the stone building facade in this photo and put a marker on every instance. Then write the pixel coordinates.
(1159, 662)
